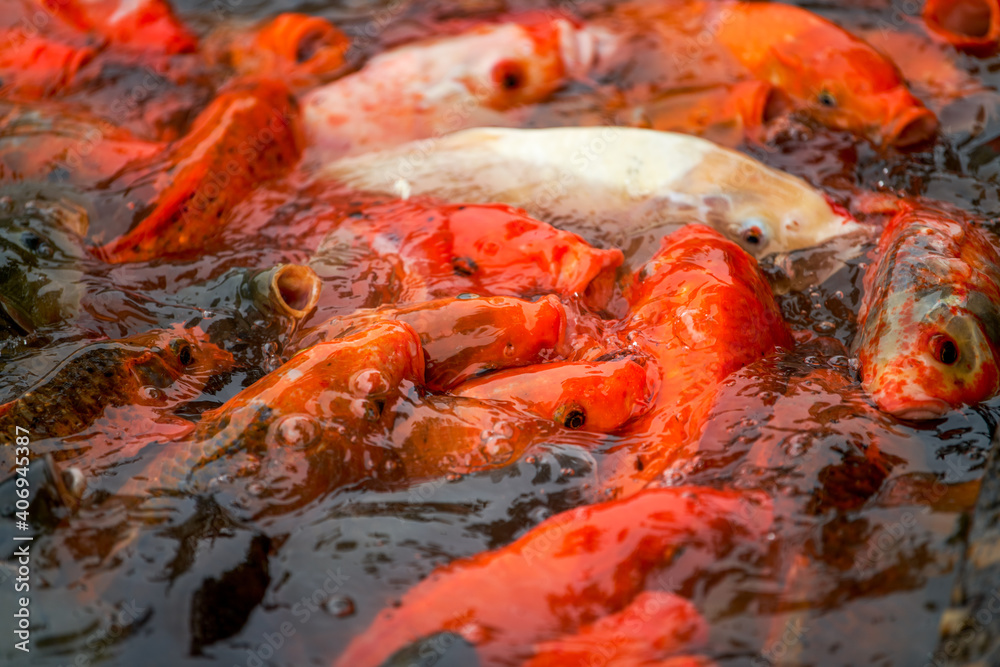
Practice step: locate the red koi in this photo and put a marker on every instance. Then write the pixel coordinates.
(34, 66)
(565, 574)
(139, 24)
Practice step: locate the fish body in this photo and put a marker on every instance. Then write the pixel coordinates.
(325, 401)
(445, 84)
(600, 396)
(464, 337)
(656, 624)
(34, 66)
(157, 369)
(563, 575)
(699, 310)
(247, 135)
(608, 182)
(445, 249)
(929, 323)
(147, 25)
(300, 49)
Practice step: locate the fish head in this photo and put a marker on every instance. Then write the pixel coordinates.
(850, 86)
(763, 210)
(510, 64)
(41, 245)
(972, 25)
(927, 357)
(178, 361)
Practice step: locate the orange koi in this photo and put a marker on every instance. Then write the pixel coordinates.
(325, 401)
(299, 49)
(653, 626)
(598, 396)
(700, 309)
(725, 114)
(970, 25)
(564, 575)
(445, 84)
(247, 135)
(139, 24)
(493, 249)
(466, 336)
(834, 76)
(34, 66)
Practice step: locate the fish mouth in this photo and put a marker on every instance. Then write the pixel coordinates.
(913, 126)
(578, 50)
(914, 410)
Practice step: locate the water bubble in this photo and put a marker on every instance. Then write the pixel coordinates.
(296, 430)
(453, 477)
(838, 294)
(367, 381)
(567, 472)
(530, 459)
(340, 606)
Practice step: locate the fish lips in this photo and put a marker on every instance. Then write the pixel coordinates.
(911, 409)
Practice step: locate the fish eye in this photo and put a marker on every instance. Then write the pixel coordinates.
(571, 416)
(944, 349)
(36, 244)
(182, 349)
(827, 99)
(753, 234)
(509, 75)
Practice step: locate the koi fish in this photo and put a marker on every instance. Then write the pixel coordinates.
(565, 574)
(929, 322)
(247, 310)
(327, 399)
(834, 76)
(970, 25)
(598, 396)
(62, 143)
(247, 135)
(700, 309)
(445, 84)
(138, 24)
(728, 115)
(654, 625)
(464, 337)
(41, 246)
(444, 249)
(609, 183)
(159, 368)
(299, 49)
(34, 66)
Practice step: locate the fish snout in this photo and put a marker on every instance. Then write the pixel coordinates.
(578, 50)
(907, 121)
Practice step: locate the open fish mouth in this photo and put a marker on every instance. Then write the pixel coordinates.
(914, 410)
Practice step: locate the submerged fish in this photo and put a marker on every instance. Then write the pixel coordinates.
(248, 134)
(158, 368)
(34, 66)
(148, 25)
(445, 249)
(929, 324)
(445, 84)
(299, 49)
(41, 252)
(608, 182)
(971, 25)
(567, 572)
